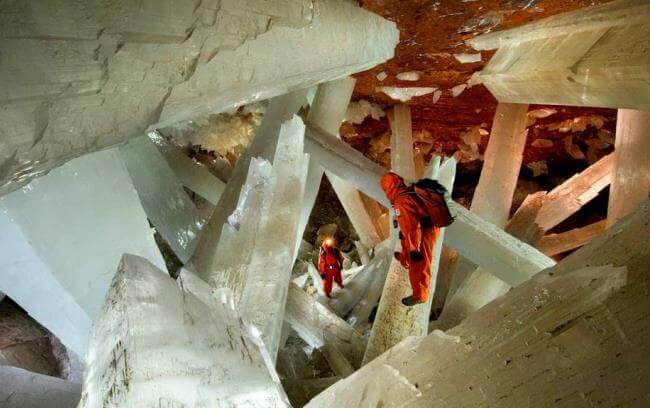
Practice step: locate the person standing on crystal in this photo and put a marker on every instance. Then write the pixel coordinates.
(330, 262)
(420, 211)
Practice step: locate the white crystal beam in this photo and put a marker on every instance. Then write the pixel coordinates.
(631, 168)
(163, 198)
(544, 328)
(567, 198)
(265, 292)
(474, 238)
(343, 301)
(492, 201)
(553, 244)
(210, 357)
(401, 143)
(394, 322)
(25, 389)
(105, 77)
(326, 112)
(501, 165)
(360, 313)
(317, 325)
(75, 209)
(590, 57)
(192, 174)
(363, 40)
(240, 234)
(263, 146)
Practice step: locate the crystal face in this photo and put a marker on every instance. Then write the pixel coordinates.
(160, 340)
(163, 198)
(75, 209)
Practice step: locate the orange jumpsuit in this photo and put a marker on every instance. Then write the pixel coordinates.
(330, 262)
(417, 242)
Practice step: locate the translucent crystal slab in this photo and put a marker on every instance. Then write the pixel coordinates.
(163, 198)
(69, 230)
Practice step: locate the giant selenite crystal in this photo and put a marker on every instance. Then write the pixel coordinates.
(269, 271)
(553, 244)
(254, 255)
(501, 165)
(103, 72)
(62, 236)
(239, 234)
(263, 146)
(167, 205)
(192, 174)
(360, 313)
(159, 343)
(24, 389)
(631, 172)
(326, 111)
(343, 300)
(474, 238)
(283, 59)
(570, 196)
(317, 325)
(574, 335)
(401, 143)
(596, 56)
(493, 198)
(394, 322)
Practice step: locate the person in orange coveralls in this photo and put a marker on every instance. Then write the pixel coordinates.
(330, 262)
(420, 210)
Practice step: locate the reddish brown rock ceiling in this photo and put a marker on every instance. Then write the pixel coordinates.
(431, 32)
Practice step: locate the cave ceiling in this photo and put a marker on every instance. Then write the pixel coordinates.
(431, 34)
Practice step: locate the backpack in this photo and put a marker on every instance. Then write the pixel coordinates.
(436, 199)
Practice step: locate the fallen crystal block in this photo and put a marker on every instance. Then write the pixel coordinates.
(158, 342)
(75, 209)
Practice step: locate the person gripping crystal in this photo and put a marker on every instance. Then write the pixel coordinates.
(420, 211)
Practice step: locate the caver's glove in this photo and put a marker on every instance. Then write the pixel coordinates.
(401, 259)
(426, 223)
(416, 256)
